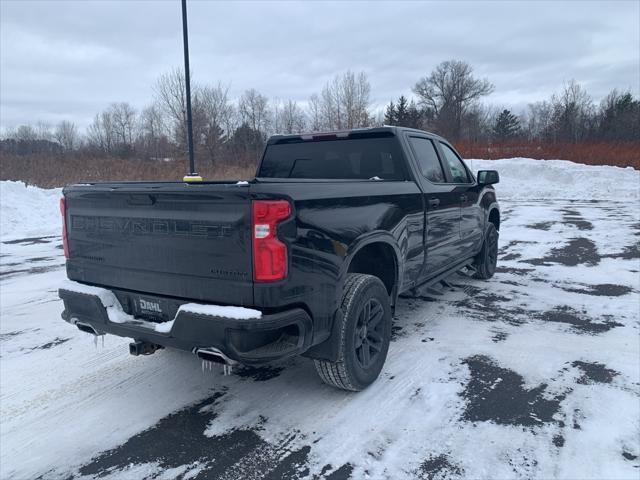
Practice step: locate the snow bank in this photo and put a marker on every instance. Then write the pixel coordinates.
(28, 211)
(526, 178)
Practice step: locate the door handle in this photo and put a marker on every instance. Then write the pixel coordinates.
(463, 198)
(434, 202)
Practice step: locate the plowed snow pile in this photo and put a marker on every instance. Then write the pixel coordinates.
(28, 210)
(526, 178)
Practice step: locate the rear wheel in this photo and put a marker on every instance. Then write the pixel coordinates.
(365, 334)
(485, 262)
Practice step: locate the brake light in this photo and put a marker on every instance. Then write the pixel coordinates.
(269, 253)
(65, 241)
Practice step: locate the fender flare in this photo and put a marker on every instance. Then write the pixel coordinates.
(376, 236)
(493, 206)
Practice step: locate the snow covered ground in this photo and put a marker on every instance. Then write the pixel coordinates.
(533, 374)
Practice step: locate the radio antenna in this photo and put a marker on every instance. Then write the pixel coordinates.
(192, 176)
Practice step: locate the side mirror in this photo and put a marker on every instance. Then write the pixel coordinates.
(488, 177)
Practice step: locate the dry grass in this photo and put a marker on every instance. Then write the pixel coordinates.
(54, 171)
(617, 154)
(49, 171)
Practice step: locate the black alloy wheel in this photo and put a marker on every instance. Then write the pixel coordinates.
(369, 333)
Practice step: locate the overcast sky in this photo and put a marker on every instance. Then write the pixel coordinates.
(68, 60)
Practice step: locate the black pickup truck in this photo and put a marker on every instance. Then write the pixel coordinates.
(307, 258)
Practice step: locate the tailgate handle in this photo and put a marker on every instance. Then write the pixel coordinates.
(141, 200)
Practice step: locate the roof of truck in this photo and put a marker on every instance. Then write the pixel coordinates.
(278, 138)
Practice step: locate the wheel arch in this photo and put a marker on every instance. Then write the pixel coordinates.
(376, 254)
(494, 217)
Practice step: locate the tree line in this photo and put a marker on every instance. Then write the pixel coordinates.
(448, 101)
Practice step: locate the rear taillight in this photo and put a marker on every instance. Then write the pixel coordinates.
(269, 253)
(65, 242)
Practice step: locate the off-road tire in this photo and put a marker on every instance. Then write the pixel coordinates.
(360, 292)
(485, 262)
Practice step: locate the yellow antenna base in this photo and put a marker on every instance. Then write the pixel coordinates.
(192, 178)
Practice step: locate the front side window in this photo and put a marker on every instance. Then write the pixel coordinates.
(425, 152)
(458, 171)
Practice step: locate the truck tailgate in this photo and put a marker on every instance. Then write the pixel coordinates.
(181, 240)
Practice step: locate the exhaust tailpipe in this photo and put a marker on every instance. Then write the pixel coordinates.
(85, 327)
(212, 354)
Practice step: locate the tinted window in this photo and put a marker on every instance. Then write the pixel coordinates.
(349, 158)
(427, 156)
(458, 172)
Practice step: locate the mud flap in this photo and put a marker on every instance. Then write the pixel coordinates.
(330, 348)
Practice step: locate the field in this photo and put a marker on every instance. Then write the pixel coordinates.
(532, 374)
(49, 171)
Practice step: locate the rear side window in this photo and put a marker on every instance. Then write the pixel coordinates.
(349, 158)
(425, 152)
(456, 167)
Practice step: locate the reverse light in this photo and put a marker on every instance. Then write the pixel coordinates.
(269, 253)
(65, 240)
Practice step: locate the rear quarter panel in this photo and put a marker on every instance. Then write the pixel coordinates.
(331, 221)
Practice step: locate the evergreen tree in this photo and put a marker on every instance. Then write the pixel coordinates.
(506, 127)
(247, 143)
(390, 114)
(402, 113)
(415, 116)
(619, 117)
(213, 140)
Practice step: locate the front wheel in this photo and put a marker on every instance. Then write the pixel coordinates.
(485, 262)
(365, 334)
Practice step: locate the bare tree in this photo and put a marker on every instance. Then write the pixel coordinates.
(170, 95)
(7, 133)
(152, 132)
(100, 134)
(538, 120)
(573, 112)
(66, 134)
(217, 118)
(43, 131)
(354, 95)
(276, 117)
(27, 139)
(26, 133)
(344, 102)
(288, 117)
(378, 118)
(123, 116)
(253, 108)
(449, 91)
(477, 123)
(330, 106)
(315, 113)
